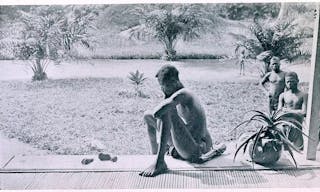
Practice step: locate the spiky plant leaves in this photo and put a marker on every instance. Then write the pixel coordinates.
(137, 78)
(271, 128)
(245, 143)
(256, 139)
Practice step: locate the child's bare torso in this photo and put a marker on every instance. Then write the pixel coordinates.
(277, 83)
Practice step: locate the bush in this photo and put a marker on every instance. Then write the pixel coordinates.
(280, 39)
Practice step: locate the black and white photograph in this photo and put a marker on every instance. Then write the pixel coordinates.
(160, 95)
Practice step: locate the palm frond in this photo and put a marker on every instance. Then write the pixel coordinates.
(289, 143)
(256, 139)
(265, 116)
(291, 154)
(287, 115)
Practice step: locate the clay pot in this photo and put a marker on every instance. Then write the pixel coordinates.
(267, 151)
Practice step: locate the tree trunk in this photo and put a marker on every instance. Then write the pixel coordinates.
(170, 53)
(39, 67)
(39, 74)
(283, 13)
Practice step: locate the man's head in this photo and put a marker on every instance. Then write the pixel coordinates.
(168, 78)
(292, 80)
(275, 64)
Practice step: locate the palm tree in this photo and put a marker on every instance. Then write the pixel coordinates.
(50, 33)
(169, 23)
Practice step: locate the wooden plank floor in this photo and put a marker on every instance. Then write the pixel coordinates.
(173, 179)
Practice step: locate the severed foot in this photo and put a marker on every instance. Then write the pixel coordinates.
(215, 151)
(154, 170)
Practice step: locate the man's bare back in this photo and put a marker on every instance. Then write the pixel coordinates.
(189, 110)
(181, 121)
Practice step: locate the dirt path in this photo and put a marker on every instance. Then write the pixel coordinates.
(10, 147)
(202, 70)
(221, 70)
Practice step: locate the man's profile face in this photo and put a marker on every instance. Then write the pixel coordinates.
(291, 82)
(167, 77)
(166, 87)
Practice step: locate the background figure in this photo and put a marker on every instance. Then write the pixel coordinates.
(276, 81)
(241, 61)
(295, 101)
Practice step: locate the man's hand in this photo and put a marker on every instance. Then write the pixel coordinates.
(154, 170)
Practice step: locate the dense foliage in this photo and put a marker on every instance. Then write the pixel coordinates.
(148, 27)
(242, 11)
(279, 39)
(50, 32)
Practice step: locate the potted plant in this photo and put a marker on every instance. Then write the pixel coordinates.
(266, 144)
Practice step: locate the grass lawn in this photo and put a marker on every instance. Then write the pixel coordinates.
(72, 116)
(81, 114)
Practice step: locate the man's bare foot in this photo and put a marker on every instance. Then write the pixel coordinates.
(154, 170)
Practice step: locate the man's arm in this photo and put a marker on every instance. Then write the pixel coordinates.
(176, 98)
(304, 104)
(264, 80)
(281, 101)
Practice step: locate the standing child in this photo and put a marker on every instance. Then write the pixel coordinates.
(276, 81)
(241, 61)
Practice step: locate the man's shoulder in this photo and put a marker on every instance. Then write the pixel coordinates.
(268, 73)
(185, 92)
(303, 94)
(283, 73)
(266, 77)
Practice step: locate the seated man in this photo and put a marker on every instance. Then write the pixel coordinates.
(295, 101)
(181, 121)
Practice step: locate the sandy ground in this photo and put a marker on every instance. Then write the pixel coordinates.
(203, 70)
(9, 147)
(190, 69)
